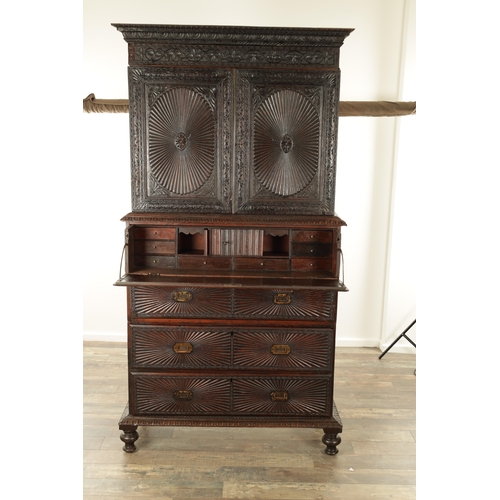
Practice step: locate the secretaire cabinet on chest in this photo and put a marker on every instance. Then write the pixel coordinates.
(232, 249)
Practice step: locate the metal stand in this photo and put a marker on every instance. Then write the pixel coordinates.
(399, 338)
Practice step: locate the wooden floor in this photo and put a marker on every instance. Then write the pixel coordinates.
(376, 459)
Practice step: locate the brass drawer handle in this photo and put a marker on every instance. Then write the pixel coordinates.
(183, 395)
(280, 349)
(283, 298)
(183, 296)
(279, 396)
(183, 347)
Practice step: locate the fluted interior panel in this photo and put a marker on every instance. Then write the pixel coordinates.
(181, 140)
(247, 242)
(286, 142)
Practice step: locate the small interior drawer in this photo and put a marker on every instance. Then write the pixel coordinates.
(154, 233)
(312, 264)
(155, 247)
(155, 261)
(312, 236)
(261, 263)
(203, 262)
(311, 249)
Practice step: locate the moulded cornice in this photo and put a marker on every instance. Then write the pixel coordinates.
(251, 35)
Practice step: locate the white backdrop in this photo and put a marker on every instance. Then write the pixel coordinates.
(374, 165)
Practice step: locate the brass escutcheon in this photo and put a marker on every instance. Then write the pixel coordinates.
(283, 298)
(183, 347)
(183, 395)
(279, 396)
(280, 349)
(183, 296)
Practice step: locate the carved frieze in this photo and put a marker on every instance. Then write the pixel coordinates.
(162, 53)
(177, 45)
(247, 219)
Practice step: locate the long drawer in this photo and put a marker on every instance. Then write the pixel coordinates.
(283, 304)
(275, 349)
(248, 303)
(192, 395)
(306, 396)
(189, 395)
(190, 302)
(170, 348)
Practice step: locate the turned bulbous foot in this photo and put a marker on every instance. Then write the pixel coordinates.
(129, 437)
(331, 439)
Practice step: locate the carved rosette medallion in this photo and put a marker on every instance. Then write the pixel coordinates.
(286, 142)
(181, 140)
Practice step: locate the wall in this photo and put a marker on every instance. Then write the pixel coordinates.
(402, 251)
(371, 70)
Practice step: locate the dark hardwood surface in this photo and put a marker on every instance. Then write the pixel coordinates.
(376, 458)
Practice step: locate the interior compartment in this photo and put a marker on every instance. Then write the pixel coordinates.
(276, 243)
(192, 241)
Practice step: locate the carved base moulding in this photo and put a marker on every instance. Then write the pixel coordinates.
(332, 426)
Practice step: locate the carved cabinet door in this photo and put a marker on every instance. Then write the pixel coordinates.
(187, 123)
(181, 139)
(285, 141)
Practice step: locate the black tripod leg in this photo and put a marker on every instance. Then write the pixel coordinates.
(398, 339)
(409, 340)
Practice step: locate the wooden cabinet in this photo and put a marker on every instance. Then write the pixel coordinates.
(232, 247)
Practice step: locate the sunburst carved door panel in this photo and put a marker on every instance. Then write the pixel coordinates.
(181, 139)
(286, 130)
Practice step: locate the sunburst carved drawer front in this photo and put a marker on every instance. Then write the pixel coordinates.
(161, 395)
(177, 347)
(187, 302)
(283, 304)
(305, 396)
(283, 349)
